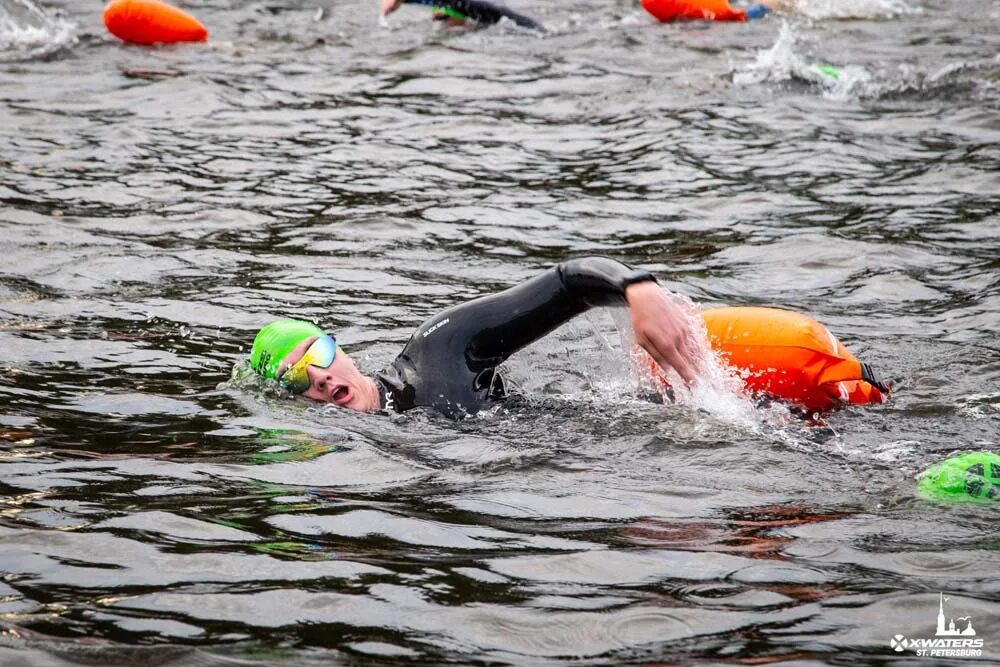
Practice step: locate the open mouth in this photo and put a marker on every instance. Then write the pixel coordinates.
(341, 395)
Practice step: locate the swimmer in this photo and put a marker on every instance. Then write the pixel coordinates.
(460, 12)
(450, 363)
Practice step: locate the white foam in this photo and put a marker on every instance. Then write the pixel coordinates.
(718, 389)
(28, 30)
(774, 64)
(783, 61)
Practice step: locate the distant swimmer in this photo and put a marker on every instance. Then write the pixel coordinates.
(450, 363)
(710, 10)
(461, 12)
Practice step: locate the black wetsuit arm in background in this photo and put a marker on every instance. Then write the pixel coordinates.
(516, 317)
(482, 11)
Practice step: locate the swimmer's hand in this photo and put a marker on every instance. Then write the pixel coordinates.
(389, 6)
(661, 328)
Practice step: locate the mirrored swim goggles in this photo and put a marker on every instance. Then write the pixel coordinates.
(319, 354)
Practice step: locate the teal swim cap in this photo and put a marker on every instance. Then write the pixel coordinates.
(275, 341)
(971, 478)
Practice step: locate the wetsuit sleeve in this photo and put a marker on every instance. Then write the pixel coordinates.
(514, 318)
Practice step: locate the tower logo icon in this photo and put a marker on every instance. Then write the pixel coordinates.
(951, 630)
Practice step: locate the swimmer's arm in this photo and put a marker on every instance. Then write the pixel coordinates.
(660, 326)
(514, 318)
(600, 281)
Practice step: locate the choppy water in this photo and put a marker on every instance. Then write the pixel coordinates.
(158, 205)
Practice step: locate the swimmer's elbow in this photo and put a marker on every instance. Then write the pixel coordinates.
(600, 281)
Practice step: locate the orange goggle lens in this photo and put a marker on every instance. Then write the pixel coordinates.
(319, 354)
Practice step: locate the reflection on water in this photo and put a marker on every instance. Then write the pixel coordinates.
(158, 205)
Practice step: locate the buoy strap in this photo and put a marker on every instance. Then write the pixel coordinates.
(869, 376)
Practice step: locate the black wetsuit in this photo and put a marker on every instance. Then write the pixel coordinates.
(480, 11)
(450, 362)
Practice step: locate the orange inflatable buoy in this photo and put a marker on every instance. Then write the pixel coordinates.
(790, 356)
(707, 10)
(151, 21)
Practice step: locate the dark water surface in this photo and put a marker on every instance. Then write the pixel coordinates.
(158, 205)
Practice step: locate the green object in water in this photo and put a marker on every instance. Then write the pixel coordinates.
(448, 11)
(967, 478)
(828, 70)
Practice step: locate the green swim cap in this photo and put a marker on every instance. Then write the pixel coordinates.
(972, 477)
(275, 341)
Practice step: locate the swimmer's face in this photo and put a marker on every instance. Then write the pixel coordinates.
(389, 6)
(341, 383)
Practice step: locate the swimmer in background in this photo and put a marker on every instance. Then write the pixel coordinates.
(450, 363)
(460, 12)
(712, 10)
(972, 477)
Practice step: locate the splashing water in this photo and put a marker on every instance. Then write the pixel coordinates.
(27, 30)
(783, 63)
(718, 389)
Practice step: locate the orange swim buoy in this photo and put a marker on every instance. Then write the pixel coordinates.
(707, 10)
(790, 356)
(151, 21)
